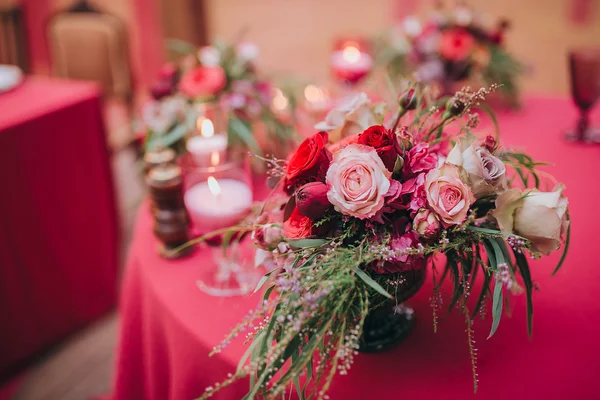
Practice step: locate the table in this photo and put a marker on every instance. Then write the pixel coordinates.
(169, 326)
(58, 230)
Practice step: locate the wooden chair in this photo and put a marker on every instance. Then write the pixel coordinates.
(13, 42)
(89, 44)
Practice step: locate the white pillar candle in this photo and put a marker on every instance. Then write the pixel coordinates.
(206, 144)
(217, 204)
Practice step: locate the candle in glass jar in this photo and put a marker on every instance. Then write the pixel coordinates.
(350, 63)
(218, 204)
(203, 146)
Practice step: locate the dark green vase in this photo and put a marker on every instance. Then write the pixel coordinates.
(390, 323)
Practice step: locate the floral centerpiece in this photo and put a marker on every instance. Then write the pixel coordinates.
(450, 48)
(223, 75)
(357, 225)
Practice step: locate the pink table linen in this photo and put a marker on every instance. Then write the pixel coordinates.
(58, 224)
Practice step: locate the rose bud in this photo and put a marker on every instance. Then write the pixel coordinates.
(426, 223)
(162, 88)
(311, 200)
(408, 100)
(490, 143)
(268, 236)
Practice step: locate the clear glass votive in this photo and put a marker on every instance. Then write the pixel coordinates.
(218, 197)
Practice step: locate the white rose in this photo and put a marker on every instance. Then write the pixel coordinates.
(209, 56)
(350, 118)
(247, 51)
(487, 173)
(537, 216)
(412, 26)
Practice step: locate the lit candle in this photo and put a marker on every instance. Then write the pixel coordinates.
(350, 63)
(218, 204)
(206, 144)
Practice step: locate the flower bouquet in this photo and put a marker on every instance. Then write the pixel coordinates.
(353, 228)
(451, 48)
(222, 75)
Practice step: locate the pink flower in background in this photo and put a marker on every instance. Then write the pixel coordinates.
(358, 181)
(448, 195)
(419, 159)
(202, 81)
(456, 44)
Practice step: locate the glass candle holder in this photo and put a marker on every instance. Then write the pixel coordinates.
(208, 143)
(218, 197)
(584, 71)
(350, 61)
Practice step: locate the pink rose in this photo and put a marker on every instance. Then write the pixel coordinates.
(401, 261)
(268, 236)
(448, 195)
(426, 223)
(358, 181)
(202, 81)
(419, 159)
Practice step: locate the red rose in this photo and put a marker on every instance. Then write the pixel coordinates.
(202, 81)
(309, 163)
(382, 140)
(297, 226)
(456, 44)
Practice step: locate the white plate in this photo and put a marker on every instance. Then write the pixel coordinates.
(10, 77)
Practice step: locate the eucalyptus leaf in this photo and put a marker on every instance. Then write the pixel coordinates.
(496, 307)
(244, 133)
(526, 274)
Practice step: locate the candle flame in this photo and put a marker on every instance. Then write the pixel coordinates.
(215, 158)
(351, 54)
(213, 186)
(314, 94)
(207, 129)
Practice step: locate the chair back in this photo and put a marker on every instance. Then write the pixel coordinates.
(13, 43)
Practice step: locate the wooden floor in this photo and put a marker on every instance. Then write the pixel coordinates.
(82, 367)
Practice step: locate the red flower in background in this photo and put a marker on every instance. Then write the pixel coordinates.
(382, 140)
(309, 163)
(202, 81)
(456, 44)
(166, 83)
(297, 226)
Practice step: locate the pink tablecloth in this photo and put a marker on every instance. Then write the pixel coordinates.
(169, 326)
(58, 224)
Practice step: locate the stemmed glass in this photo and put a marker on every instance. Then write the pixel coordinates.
(584, 70)
(217, 197)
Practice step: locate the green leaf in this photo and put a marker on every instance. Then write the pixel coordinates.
(496, 307)
(398, 165)
(170, 138)
(289, 208)
(242, 131)
(262, 280)
(566, 249)
(306, 243)
(453, 266)
(268, 292)
(255, 342)
(180, 46)
(369, 281)
(484, 289)
(526, 274)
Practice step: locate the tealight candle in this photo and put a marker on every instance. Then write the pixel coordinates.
(206, 144)
(217, 204)
(350, 63)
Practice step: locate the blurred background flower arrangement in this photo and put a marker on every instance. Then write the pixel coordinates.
(451, 47)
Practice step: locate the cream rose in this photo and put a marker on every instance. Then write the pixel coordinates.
(350, 118)
(357, 181)
(487, 173)
(537, 216)
(448, 195)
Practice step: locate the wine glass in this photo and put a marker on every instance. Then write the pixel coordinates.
(584, 70)
(217, 197)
